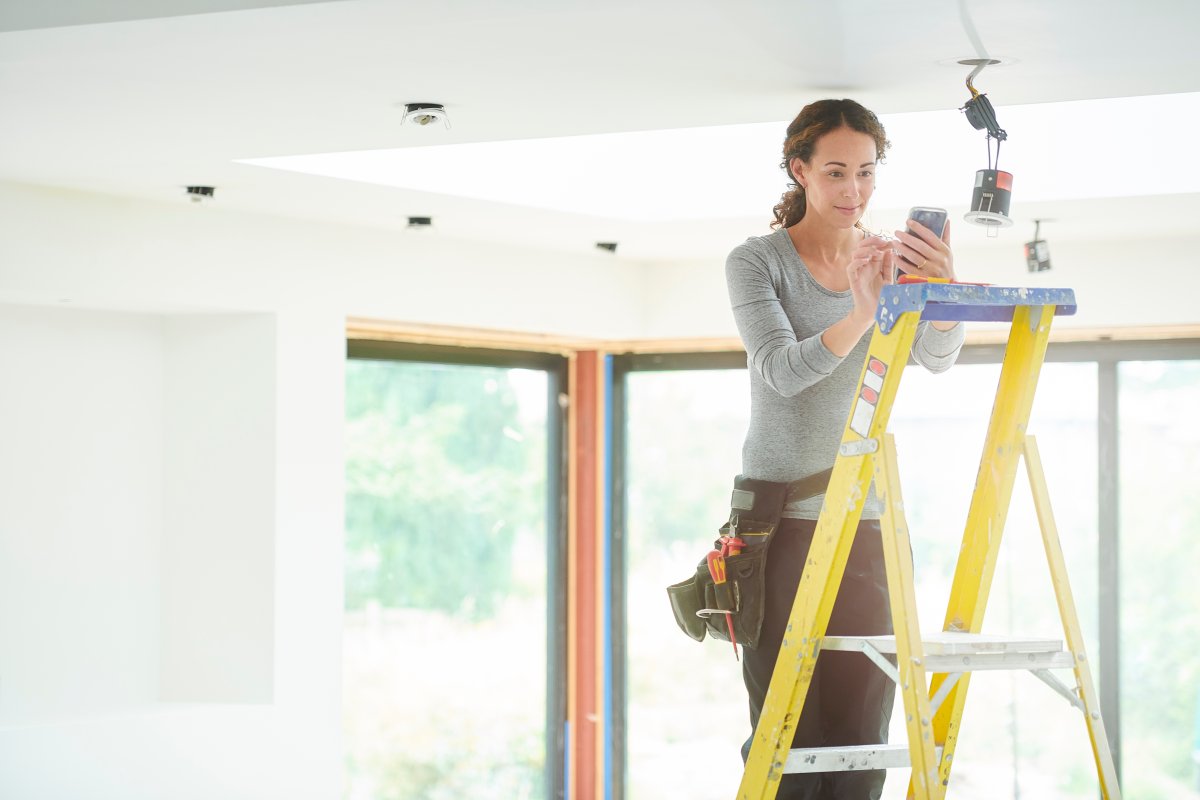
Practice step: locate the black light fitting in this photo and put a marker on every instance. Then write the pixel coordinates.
(993, 187)
(1037, 252)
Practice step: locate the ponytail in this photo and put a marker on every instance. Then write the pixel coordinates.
(790, 208)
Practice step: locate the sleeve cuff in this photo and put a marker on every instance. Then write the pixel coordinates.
(942, 344)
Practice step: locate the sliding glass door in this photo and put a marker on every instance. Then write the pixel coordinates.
(685, 706)
(685, 703)
(1159, 552)
(451, 668)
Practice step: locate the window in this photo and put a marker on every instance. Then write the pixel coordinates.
(1019, 739)
(685, 700)
(1159, 550)
(685, 703)
(451, 552)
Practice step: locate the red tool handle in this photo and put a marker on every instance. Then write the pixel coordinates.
(716, 568)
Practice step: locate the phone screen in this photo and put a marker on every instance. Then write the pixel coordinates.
(932, 218)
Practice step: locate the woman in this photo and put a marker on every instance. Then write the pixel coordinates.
(804, 298)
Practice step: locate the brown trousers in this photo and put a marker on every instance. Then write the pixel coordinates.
(849, 700)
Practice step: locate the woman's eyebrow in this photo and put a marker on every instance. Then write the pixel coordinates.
(841, 164)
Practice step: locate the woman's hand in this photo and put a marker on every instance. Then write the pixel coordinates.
(929, 256)
(871, 267)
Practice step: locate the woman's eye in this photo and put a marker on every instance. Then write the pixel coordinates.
(866, 174)
(835, 174)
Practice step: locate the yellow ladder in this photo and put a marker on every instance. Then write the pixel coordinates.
(933, 709)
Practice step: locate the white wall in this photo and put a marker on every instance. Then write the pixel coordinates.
(96, 251)
(169, 617)
(218, 529)
(81, 505)
(171, 478)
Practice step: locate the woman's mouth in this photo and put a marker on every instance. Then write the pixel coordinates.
(848, 211)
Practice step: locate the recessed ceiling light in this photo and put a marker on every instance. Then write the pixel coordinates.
(198, 194)
(425, 114)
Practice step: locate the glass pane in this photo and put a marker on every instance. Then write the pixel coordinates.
(685, 431)
(686, 703)
(1159, 551)
(1019, 739)
(444, 651)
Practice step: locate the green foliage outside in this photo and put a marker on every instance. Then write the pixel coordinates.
(444, 646)
(439, 475)
(687, 428)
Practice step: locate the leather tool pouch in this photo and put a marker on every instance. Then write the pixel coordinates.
(701, 606)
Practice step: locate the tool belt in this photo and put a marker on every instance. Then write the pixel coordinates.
(725, 598)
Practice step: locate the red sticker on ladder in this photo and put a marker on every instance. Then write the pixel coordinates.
(877, 366)
(870, 395)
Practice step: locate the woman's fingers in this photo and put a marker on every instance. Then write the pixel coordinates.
(925, 252)
(911, 243)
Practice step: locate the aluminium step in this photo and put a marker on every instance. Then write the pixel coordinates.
(951, 651)
(848, 759)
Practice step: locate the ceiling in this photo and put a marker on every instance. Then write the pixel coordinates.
(139, 98)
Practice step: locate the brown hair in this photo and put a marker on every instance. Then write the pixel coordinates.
(814, 121)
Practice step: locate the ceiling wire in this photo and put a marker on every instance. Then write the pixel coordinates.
(976, 42)
(972, 34)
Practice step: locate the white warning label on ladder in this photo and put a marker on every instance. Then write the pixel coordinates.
(868, 397)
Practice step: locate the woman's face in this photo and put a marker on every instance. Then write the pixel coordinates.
(840, 178)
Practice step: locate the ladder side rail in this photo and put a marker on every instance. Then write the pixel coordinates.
(1023, 357)
(1105, 767)
(827, 557)
(797, 659)
(897, 556)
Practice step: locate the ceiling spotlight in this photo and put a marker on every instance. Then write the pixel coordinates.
(420, 223)
(198, 194)
(993, 187)
(1037, 252)
(609, 246)
(990, 200)
(425, 114)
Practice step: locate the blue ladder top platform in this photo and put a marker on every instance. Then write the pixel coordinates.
(960, 301)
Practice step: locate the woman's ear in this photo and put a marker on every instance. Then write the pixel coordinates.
(798, 169)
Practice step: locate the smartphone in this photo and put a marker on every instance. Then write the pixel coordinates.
(932, 218)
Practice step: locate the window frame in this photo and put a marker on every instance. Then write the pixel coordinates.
(556, 368)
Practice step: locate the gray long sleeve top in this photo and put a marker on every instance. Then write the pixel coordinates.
(800, 392)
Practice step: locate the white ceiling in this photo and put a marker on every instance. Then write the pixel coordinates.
(140, 98)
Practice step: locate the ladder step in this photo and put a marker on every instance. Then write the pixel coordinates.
(949, 651)
(847, 759)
